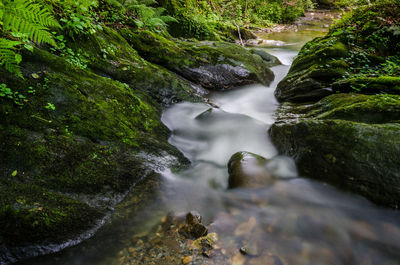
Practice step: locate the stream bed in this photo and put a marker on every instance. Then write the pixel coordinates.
(294, 220)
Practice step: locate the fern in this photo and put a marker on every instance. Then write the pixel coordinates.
(149, 17)
(27, 18)
(8, 58)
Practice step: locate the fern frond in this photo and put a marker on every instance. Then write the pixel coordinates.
(167, 19)
(26, 16)
(8, 57)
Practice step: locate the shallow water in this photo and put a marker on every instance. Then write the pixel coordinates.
(296, 219)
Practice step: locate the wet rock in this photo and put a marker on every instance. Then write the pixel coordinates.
(220, 77)
(193, 218)
(187, 260)
(335, 122)
(352, 141)
(246, 34)
(247, 170)
(312, 73)
(75, 163)
(206, 244)
(193, 226)
(268, 58)
(213, 65)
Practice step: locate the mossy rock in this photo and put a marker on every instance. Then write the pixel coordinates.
(268, 58)
(341, 118)
(64, 165)
(319, 63)
(349, 140)
(110, 55)
(359, 157)
(213, 65)
(372, 109)
(369, 85)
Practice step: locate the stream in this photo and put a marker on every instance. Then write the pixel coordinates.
(294, 219)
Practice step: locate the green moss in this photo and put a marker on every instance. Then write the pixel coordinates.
(375, 109)
(369, 85)
(30, 214)
(320, 51)
(356, 156)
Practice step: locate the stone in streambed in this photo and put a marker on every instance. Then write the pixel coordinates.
(268, 58)
(248, 170)
(221, 76)
(193, 226)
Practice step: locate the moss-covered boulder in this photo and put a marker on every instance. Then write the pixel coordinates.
(81, 136)
(108, 54)
(341, 116)
(213, 65)
(319, 63)
(352, 141)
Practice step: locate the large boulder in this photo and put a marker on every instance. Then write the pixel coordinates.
(82, 136)
(352, 141)
(319, 63)
(340, 116)
(213, 65)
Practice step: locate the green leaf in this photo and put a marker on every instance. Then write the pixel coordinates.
(15, 172)
(18, 58)
(28, 47)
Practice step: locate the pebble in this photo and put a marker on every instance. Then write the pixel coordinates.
(187, 260)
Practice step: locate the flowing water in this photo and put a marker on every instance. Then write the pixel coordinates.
(295, 219)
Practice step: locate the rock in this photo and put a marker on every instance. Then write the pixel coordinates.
(247, 170)
(318, 64)
(193, 226)
(246, 34)
(213, 65)
(220, 77)
(352, 141)
(268, 58)
(193, 218)
(187, 260)
(339, 123)
(76, 162)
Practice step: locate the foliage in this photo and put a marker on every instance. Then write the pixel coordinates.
(15, 96)
(148, 17)
(27, 19)
(202, 19)
(372, 33)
